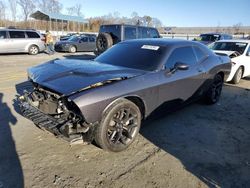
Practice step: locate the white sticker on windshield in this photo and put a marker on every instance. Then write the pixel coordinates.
(150, 47)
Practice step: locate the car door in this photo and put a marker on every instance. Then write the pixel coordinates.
(180, 85)
(246, 61)
(18, 41)
(4, 42)
(83, 44)
(92, 43)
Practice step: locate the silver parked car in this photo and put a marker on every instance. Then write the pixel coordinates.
(16, 40)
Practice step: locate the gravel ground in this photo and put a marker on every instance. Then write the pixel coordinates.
(197, 146)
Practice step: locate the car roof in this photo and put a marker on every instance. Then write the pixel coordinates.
(127, 25)
(160, 42)
(235, 40)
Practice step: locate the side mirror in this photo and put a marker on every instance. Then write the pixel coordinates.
(181, 66)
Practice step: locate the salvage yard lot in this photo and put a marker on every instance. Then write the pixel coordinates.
(197, 146)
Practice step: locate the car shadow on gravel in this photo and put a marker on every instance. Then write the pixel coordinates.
(212, 142)
(11, 174)
(79, 57)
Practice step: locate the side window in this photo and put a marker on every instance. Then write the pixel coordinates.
(199, 53)
(183, 55)
(130, 33)
(31, 34)
(84, 39)
(153, 33)
(17, 34)
(142, 32)
(91, 39)
(3, 35)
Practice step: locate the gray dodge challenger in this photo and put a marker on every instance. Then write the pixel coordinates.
(105, 99)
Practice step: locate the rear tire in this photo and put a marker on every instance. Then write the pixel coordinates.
(119, 126)
(214, 92)
(33, 50)
(103, 42)
(72, 49)
(237, 76)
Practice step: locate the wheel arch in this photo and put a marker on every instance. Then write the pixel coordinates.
(243, 69)
(221, 74)
(138, 101)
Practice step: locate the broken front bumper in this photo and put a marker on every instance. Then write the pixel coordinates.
(59, 127)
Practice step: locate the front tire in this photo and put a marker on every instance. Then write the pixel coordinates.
(214, 92)
(72, 49)
(33, 50)
(237, 76)
(119, 126)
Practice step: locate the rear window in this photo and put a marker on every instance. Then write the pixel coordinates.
(113, 30)
(31, 34)
(17, 34)
(3, 35)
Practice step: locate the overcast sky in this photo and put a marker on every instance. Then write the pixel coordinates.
(172, 12)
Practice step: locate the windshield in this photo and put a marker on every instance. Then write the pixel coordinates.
(74, 38)
(209, 37)
(229, 46)
(136, 56)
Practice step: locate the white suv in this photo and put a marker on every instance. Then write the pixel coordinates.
(16, 40)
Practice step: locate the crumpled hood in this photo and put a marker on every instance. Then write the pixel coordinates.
(69, 76)
(224, 52)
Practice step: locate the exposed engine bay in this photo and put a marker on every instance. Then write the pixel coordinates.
(54, 113)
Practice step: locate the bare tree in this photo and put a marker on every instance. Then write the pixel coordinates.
(156, 22)
(2, 10)
(28, 6)
(50, 6)
(13, 9)
(75, 10)
(147, 19)
(237, 28)
(70, 10)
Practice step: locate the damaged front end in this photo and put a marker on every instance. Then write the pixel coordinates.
(55, 113)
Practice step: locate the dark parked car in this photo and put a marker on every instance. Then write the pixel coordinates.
(112, 34)
(107, 98)
(82, 43)
(208, 38)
